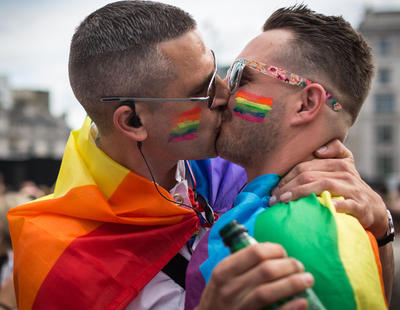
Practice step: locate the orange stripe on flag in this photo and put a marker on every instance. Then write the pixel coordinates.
(375, 250)
(45, 238)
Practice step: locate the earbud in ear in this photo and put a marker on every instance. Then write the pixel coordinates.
(135, 120)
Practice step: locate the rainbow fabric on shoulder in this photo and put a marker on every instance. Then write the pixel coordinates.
(98, 239)
(334, 247)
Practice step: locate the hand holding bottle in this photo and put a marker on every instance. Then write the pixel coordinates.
(255, 277)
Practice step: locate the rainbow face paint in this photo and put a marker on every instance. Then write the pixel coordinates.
(186, 126)
(251, 107)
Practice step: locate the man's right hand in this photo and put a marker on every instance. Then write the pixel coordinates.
(256, 277)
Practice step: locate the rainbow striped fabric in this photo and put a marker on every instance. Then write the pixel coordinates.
(186, 126)
(334, 247)
(98, 239)
(252, 107)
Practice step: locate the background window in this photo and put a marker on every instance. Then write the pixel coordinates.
(384, 165)
(384, 76)
(384, 134)
(384, 103)
(384, 46)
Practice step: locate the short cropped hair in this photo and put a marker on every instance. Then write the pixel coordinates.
(114, 53)
(327, 46)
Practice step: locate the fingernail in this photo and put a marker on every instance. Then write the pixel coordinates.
(322, 149)
(307, 278)
(285, 197)
(272, 200)
(300, 265)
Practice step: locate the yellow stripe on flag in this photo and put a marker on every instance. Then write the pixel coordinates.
(353, 243)
(75, 173)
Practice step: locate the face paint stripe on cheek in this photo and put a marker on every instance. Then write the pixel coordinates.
(186, 126)
(254, 97)
(252, 107)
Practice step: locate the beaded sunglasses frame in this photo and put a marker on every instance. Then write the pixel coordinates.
(236, 70)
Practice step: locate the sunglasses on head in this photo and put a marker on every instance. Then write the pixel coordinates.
(209, 98)
(236, 70)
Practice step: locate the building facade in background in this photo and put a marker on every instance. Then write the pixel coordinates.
(33, 131)
(375, 138)
(32, 141)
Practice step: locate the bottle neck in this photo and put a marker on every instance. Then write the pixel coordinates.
(241, 241)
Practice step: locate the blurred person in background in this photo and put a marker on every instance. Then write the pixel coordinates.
(9, 199)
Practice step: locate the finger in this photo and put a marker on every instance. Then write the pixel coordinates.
(243, 260)
(351, 207)
(273, 292)
(266, 271)
(337, 183)
(308, 170)
(334, 149)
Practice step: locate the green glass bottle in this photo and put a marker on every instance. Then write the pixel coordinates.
(236, 237)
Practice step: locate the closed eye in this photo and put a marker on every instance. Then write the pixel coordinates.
(246, 78)
(201, 90)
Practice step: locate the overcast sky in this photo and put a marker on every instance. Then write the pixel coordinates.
(35, 36)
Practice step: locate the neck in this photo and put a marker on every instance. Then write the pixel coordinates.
(283, 158)
(297, 145)
(128, 155)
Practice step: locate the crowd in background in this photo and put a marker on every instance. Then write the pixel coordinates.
(27, 191)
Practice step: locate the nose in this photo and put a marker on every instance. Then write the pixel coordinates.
(221, 94)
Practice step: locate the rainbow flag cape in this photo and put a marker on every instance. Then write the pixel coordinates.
(98, 239)
(333, 246)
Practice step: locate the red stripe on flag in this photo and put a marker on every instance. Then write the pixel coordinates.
(108, 267)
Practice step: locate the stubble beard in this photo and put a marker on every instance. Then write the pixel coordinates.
(246, 143)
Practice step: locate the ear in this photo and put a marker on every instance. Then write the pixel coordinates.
(122, 120)
(312, 99)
